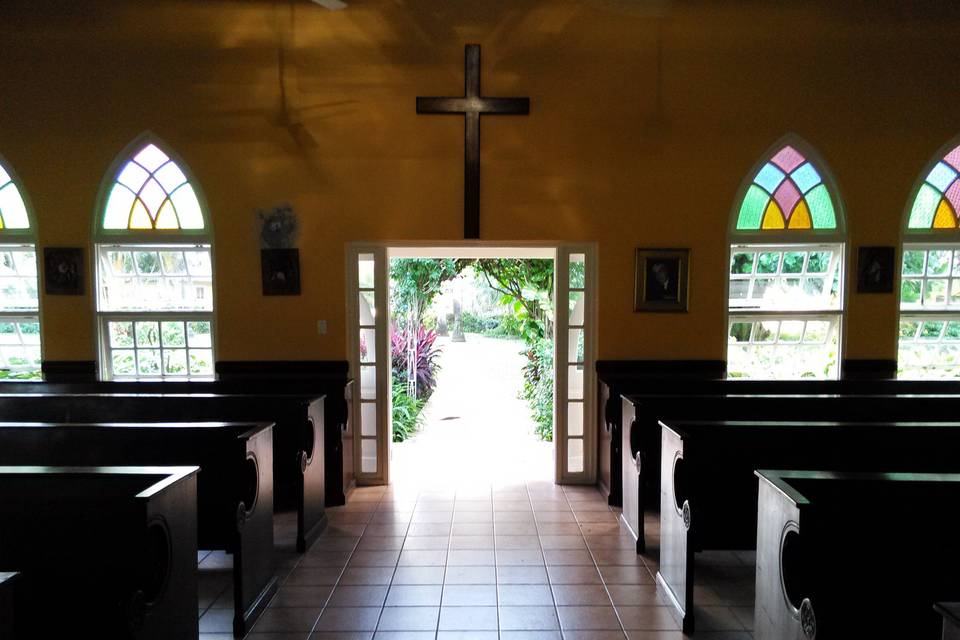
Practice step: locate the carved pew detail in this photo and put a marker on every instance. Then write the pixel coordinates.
(110, 549)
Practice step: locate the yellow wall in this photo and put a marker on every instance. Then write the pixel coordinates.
(645, 118)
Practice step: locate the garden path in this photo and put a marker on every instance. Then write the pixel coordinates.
(476, 430)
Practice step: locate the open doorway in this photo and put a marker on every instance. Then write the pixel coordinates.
(377, 334)
(472, 375)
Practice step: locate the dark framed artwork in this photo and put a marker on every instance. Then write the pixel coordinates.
(63, 271)
(875, 269)
(280, 271)
(662, 276)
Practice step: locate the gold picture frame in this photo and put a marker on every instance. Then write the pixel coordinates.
(662, 279)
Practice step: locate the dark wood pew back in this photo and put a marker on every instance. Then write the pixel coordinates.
(298, 437)
(677, 379)
(641, 438)
(823, 548)
(106, 551)
(234, 490)
(708, 493)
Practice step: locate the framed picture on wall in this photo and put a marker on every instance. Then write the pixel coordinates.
(875, 270)
(63, 271)
(662, 276)
(280, 271)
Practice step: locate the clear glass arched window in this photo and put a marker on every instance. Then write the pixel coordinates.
(20, 355)
(154, 270)
(929, 329)
(786, 270)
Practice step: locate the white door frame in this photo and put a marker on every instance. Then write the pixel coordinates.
(381, 252)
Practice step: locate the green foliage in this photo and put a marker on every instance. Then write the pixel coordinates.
(526, 285)
(417, 281)
(406, 412)
(538, 386)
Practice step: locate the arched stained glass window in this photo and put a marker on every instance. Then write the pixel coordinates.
(154, 271)
(787, 193)
(785, 299)
(929, 330)
(937, 201)
(152, 192)
(20, 356)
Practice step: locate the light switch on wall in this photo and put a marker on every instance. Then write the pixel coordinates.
(322, 327)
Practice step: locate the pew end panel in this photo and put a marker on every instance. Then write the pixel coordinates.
(677, 523)
(778, 529)
(631, 463)
(826, 566)
(137, 575)
(8, 585)
(951, 619)
(254, 582)
(312, 515)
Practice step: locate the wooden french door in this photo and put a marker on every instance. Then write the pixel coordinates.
(574, 355)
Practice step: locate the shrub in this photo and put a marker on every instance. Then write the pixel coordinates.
(406, 417)
(427, 352)
(538, 386)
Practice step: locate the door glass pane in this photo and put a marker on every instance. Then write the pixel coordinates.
(368, 418)
(575, 455)
(368, 456)
(575, 382)
(575, 345)
(368, 382)
(368, 345)
(368, 309)
(577, 271)
(575, 418)
(365, 273)
(576, 308)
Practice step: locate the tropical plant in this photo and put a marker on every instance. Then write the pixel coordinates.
(538, 386)
(406, 412)
(426, 354)
(416, 282)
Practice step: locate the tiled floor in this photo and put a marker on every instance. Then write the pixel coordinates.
(533, 560)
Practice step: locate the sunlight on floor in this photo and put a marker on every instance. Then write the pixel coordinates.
(477, 432)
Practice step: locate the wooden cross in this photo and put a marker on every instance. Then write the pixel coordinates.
(472, 105)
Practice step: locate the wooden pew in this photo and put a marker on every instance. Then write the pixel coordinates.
(681, 378)
(950, 611)
(276, 387)
(298, 438)
(825, 554)
(235, 487)
(642, 413)
(105, 552)
(8, 580)
(708, 493)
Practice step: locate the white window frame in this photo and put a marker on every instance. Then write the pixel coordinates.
(834, 316)
(141, 239)
(919, 313)
(785, 240)
(12, 238)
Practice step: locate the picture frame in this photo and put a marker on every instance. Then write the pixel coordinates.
(63, 273)
(662, 278)
(875, 269)
(280, 272)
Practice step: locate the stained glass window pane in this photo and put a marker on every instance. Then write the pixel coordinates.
(924, 207)
(152, 192)
(821, 208)
(751, 211)
(941, 176)
(13, 210)
(806, 177)
(787, 193)
(769, 178)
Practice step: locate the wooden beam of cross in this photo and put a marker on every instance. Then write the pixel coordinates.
(472, 105)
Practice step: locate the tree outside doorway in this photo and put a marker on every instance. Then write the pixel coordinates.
(443, 310)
